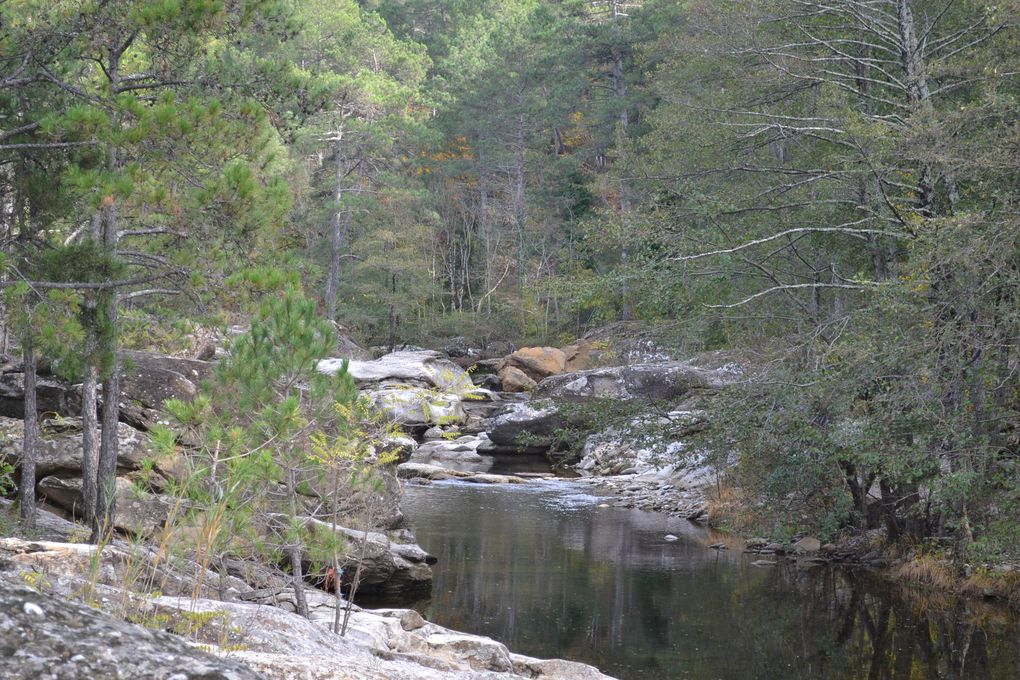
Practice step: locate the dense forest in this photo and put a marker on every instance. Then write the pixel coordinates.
(827, 188)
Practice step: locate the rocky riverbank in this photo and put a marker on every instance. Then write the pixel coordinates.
(239, 611)
(127, 611)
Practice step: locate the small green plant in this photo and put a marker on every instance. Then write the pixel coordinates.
(36, 580)
(79, 534)
(7, 484)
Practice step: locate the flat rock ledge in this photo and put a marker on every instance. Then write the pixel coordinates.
(46, 633)
(652, 493)
(424, 473)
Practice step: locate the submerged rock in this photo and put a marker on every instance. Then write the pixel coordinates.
(416, 471)
(808, 544)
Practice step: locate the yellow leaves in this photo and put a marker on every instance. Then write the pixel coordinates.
(358, 443)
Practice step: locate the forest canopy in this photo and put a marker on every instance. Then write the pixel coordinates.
(828, 187)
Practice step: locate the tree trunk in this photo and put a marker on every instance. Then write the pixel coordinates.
(519, 215)
(89, 443)
(484, 229)
(106, 470)
(89, 415)
(294, 550)
(298, 579)
(26, 490)
(338, 225)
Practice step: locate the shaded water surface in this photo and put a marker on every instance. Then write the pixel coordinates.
(542, 568)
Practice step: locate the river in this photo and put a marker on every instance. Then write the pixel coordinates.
(546, 570)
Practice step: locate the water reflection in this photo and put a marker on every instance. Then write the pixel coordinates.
(544, 569)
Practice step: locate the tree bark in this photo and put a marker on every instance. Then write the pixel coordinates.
(89, 443)
(106, 470)
(294, 550)
(26, 490)
(338, 225)
(519, 209)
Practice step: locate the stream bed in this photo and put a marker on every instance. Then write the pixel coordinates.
(544, 569)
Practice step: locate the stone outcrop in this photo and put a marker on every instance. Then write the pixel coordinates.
(48, 638)
(151, 379)
(667, 381)
(138, 512)
(414, 388)
(52, 394)
(60, 446)
(535, 362)
(582, 355)
(649, 444)
(525, 427)
(387, 568)
(45, 636)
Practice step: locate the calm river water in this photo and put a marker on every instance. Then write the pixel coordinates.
(542, 568)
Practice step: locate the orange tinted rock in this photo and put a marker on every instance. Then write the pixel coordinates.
(581, 355)
(516, 380)
(538, 362)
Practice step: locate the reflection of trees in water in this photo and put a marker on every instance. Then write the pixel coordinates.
(601, 589)
(895, 636)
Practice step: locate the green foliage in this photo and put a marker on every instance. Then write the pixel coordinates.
(754, 175)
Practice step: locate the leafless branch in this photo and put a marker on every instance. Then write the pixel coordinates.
(842, 229)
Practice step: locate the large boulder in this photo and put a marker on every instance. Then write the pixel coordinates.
(424, 367)
(52, 395)
(387, 568)
(536, 362)
(60, 448)
(513, 379)
(414, 388)
(525, 427)
(45, 638)
(135, 512)
(413, 406)
(666, 381)
(149, 380)
(583, 355)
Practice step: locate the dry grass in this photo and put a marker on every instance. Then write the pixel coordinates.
(726, 507)
(926, 571)
(1002, 586)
